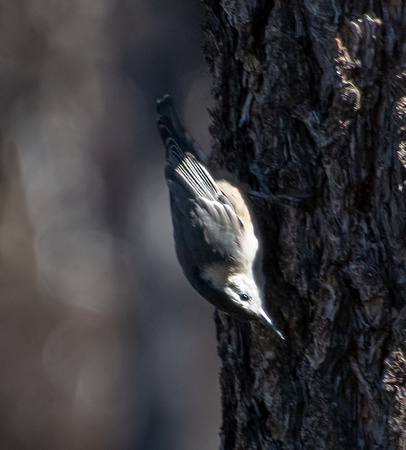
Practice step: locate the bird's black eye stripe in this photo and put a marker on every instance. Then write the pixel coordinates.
(244, 296)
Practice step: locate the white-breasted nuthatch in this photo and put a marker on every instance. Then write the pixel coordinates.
(213, 227)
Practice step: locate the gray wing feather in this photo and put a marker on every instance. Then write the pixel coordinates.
(206, 225)
(209, 227)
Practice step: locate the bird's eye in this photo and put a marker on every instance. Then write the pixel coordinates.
(244, 296)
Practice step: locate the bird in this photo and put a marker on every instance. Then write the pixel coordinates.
(215, 234)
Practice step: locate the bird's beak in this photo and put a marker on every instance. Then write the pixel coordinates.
(267, 321)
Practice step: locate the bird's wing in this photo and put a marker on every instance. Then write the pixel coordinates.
(209, 222)
(184, 169)
(204, 218)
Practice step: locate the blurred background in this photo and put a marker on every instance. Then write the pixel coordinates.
(103, 344)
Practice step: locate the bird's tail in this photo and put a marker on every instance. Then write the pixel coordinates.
(169, 125)
(171, 130)
(185, 174)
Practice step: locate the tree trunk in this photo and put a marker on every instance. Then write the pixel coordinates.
(310, 109)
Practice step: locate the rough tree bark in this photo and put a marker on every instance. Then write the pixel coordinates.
(310, 103)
